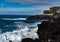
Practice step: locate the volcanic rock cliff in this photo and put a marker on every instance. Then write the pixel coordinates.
(40, 17)
(48, 32)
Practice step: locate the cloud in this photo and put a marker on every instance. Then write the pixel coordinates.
(32, 2)
(20, 11)
(56, 0)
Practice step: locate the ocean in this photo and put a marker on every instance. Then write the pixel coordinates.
(16, 28)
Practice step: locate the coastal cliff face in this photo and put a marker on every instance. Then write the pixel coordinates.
(52, 18)
(48, 32)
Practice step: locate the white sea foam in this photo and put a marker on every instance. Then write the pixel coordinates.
(13, 18)
(19, 34)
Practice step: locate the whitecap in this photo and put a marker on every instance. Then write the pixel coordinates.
(13, 18)
(19, 34)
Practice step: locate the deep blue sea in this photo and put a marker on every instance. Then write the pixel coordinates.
(14, 23)
(7, 22)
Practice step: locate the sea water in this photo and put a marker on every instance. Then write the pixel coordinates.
(16, 28)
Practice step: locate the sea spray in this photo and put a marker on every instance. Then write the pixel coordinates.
(13, 18)
(24, 30)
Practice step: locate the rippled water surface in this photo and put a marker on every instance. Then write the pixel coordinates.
(16, 28)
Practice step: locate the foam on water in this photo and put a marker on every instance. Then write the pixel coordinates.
(13, 18)
(23, 31)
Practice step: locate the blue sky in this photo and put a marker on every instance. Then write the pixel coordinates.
(26, 7)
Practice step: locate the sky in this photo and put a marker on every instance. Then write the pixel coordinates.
(26, 7)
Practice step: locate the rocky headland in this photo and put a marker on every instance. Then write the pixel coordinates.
(48, 31)
(40, 17)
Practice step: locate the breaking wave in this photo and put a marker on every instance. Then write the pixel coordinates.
(22, 31)
(13, 18)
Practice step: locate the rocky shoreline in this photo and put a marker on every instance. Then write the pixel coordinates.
(48, 32)
(40, 17)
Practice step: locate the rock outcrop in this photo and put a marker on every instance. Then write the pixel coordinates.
(48, 32)
(40, 17)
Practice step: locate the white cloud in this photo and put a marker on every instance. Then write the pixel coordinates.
(20, 11)
(24, 11)
(32, 2)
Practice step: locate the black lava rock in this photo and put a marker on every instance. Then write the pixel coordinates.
(47, 31)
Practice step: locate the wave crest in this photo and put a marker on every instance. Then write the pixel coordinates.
(19, 34)
(13, 18)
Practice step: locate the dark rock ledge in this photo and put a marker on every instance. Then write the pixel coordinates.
(40, 17)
